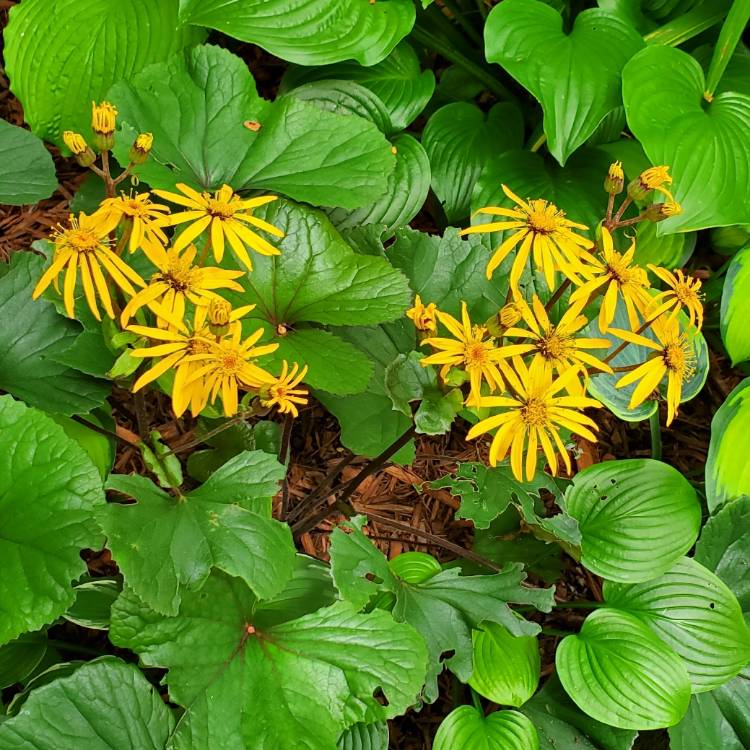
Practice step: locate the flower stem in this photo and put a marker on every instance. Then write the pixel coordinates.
(655, 435)
(558, 293)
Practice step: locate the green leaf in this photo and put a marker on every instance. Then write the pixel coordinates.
(165, 544)
(663, 92)
(731, 32)
(300, 150)
(404, 195)
(27, 172)
(93, 603)
(161, 462)
(618, 672)
(466, 728)
(526, 37)
(397, 81)
(727, 470)
(20, 657)
(670, 251)
(459, 139)
(365, 737)
(316, 32)
(60, 57)
(104, 704)
(100, 448)
(506, 667)
(48, 492)
(735, 307)
(694, 612)
(32, 336)
(719, 719)
(254, 688)
(563, 726)
(637, 518)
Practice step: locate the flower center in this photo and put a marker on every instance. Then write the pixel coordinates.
(82, 240)
(196, 345)
(229, 362)
(679, 358)
(179, 275)
(542, 221)
(554, 346)
(220, 208)
(534, 412)
(476, 352)
(686, 294)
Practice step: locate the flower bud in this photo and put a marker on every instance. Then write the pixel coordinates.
(614, 182)
(660, 211)
(423, 316)
(79, 148)
(653, 178)
(141, 148)
(219, 316)
(103, 122)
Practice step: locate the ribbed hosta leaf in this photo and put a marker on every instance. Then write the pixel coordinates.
(467, 729)
(735, 307)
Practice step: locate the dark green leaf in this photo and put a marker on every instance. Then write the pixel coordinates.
(93, 603)
(20, 657)
(27, 173)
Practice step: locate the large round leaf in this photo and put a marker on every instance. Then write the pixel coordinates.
(620, 673)
(637, 518)
(693, 611)
(735, 307)
(467, 729)
(706, 144)
(48, 491)
(27, 172)
(60, 56)
(103, 705)
(526, 37)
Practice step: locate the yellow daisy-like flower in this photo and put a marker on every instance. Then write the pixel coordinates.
(177, 282)
(473, 351)
(423, 315)
(674, 358)
(283, 392)
(617, 276)
(84, 246)
(103, 118)
(533, 419)
(146, 220)
(542, 231)
(227, 215)
(683, 293)
(557, 345)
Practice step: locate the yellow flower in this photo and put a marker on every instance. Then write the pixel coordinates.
(674, 358)
(283, 392)
(84, 245)
(557, 345)
(653, 178)
(147, 220)
(423, 315)
(75, 142)
(177, 282)
(533, 419)
(617, 276)
(227, 216)
(141, 148)
(103, 118)
(472, 351)
(542, 230)
(683, 293)
(509, 314)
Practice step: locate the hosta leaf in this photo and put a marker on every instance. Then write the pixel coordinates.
(506, 667)
(618, 672)
(308, 32)
(20, 657)
(459, 139)
(163, 543)
(27, 172)
(637, 518)
(727, 471)
(250, 687)
(526, 37)
(670, 251)
(300, 150)
(48, 491)
(397, 81)
(33, 334)
(735, 307)
(104, 704)
(468, 729)
(365, 737)
(707, 145)
(693, 611)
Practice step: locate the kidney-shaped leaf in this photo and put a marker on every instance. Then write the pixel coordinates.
(620, 673)
(693, 611)
(103, 705)
(468, 729)
(637, 518)
(27, 172)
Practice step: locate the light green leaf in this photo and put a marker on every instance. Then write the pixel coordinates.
(506, 667)
(48, 492)
(637, 518)
(526, 37)
(467, 728)
(103, 705)
(27, 172)
(618, 672)
(161, 462)
(735, 307)
(100, 448)
(397, 81)
(300, 150)
(313, 32)
(727, 470)
(257, 687)
(93, 603)
(663, 92)
(670, 251)
(20, 657)
(61, 56)
(365, 737)
(415, 567)
(163, 543)
(694, 612)
(459, 139)
(32, 334)
(730, 34)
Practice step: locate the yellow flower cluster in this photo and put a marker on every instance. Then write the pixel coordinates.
(534, 370)
(208, 355)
